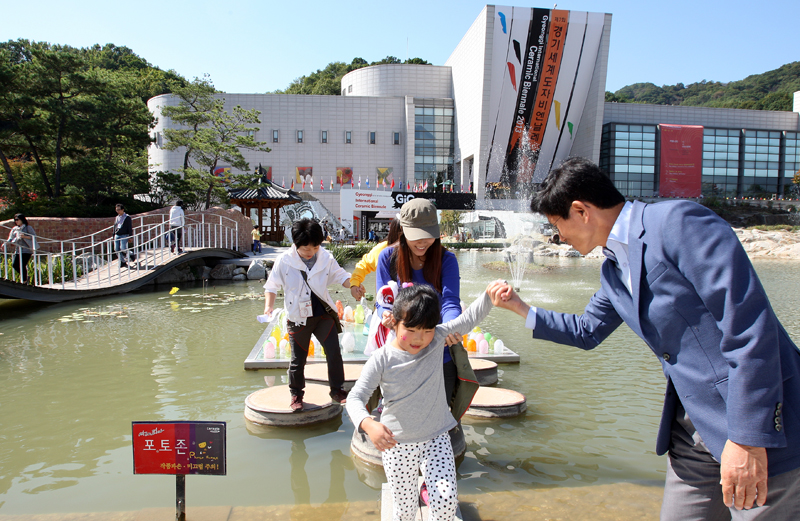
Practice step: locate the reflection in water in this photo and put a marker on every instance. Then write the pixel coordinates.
(71, 385)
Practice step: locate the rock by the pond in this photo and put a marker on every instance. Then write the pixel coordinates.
(239, 277)
(222, 272)
(240, 271)
(257, 270)
(182, 273)
(205, 272)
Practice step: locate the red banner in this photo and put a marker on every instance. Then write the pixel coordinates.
(179, 448)
(681, 160)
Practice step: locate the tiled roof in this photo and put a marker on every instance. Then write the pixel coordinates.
(267, 191)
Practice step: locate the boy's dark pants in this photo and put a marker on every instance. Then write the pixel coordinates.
(324, 329)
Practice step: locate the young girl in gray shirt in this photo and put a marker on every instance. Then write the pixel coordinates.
(413, 428)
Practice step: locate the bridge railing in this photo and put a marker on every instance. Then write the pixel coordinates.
(92, 260)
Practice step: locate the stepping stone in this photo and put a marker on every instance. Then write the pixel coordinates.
(364, 450)
(494, 402)
(270, 406)
(319, 373)
(485, 370)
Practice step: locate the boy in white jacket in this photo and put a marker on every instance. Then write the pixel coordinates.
(305, 272)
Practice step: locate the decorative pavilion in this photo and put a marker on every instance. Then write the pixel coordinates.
(263, 205)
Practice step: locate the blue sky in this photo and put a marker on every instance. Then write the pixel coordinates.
(251, 46)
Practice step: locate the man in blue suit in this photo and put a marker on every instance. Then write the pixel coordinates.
(677, 275)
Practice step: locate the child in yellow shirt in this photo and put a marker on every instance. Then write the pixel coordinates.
(369, 262)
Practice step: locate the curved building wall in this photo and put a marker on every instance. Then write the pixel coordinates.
(393, 80)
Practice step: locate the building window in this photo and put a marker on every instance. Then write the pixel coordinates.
(299, 136)
(349, 88)
(396, 138)
(372, 138)
(324, 136)
(159, 140)
(348, 137)
(274, 136)
(433, 144)
(628, 154)
(250, 133)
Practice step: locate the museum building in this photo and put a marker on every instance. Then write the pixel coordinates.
(524, 89)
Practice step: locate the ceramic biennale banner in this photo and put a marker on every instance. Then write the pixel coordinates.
(542, 66)
(681, 160)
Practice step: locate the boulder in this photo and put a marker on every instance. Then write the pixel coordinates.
(182, 273)
(240, 271)
(239, 277)
(257, 270)
(222, 272)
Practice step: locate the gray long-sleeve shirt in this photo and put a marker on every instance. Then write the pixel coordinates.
(415, 408)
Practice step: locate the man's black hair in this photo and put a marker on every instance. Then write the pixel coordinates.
(307, 231)
(576, 179)
(417, 306)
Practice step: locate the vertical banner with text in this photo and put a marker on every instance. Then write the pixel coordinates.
(681, 160)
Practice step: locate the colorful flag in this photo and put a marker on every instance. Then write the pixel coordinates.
(304, 184)
(359, 182)
(352, 182)
(392, 187)
(292, 187)
(321, 185)
(331, 184)
(367, 181)
(283, 182)
(425, 186)
(408, 186)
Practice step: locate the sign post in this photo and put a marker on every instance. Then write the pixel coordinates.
(179, 448)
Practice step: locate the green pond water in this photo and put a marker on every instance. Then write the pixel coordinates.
(74, 376)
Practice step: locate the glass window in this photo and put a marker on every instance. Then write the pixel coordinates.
(348, 137)
(396, 138)
(372, 138)
(299, 136)
(349, 88)
(274, 136)
(324, 136)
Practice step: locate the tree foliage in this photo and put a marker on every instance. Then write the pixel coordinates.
(209, 136)
(771, 90)
(328, 81)
(74, 124)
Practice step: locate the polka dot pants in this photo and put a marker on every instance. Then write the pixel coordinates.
(434, 458)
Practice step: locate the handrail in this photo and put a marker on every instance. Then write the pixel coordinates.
(89, 261)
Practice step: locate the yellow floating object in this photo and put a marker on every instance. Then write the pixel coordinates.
(173, 291)
(472, 345)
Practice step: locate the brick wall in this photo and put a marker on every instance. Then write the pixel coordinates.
(64, 228)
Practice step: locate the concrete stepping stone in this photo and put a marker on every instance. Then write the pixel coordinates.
(270, 406)
(318, 373)
(485, 370)
(495, 402)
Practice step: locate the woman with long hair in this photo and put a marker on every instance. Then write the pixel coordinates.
(418, 257)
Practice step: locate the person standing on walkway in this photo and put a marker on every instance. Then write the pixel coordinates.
(304, 272)
(256, 239)
(731, 415)
(123, 229)
(177, 220)
(23, 236)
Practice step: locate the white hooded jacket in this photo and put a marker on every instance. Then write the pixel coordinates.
(286, 274)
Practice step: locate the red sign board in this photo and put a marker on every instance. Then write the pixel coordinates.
(681, 160)
(179, 448)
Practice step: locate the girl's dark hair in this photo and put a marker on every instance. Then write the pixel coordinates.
(432, 270)
(21, 218)
(307, 231)
(394, 231)
(417, 306)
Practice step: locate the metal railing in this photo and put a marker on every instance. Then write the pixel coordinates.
(90, 261)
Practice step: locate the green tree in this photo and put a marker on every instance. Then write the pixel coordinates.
(214, 136)
(450, 220)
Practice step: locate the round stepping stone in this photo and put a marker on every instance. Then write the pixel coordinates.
(485, 370)
(270, 406)
(319, 373)
(365, 451)
(494, 402)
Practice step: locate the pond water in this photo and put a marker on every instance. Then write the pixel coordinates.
(74, 376)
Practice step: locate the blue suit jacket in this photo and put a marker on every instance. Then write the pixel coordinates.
(697, 303)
